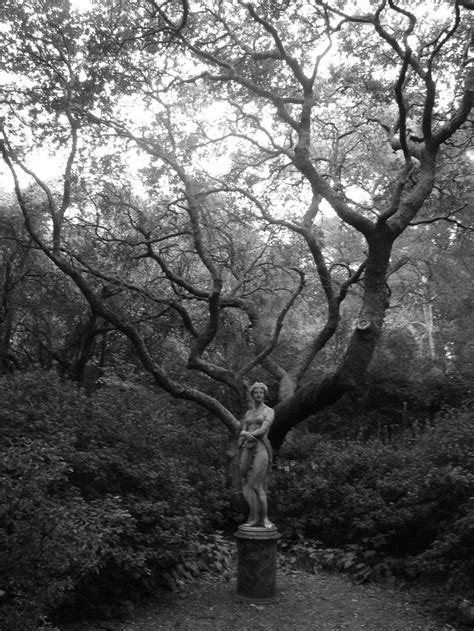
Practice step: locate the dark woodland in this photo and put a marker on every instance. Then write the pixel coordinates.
(198, 195)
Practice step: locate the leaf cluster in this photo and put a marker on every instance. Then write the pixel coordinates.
(102, 498)
(401, 508)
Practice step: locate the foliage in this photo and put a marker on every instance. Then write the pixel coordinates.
(213, 553)
(99, 499)
(218, 553)
(226, 187)
(337, 482)
(381, 508)
(107, 497)
(395, 396)
(50, 538)
(449, 489)
(361, 563)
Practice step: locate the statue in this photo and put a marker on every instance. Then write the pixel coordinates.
(255, 456)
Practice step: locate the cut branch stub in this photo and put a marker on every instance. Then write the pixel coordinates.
(363, 325)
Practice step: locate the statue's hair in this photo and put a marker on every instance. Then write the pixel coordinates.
(259, 384)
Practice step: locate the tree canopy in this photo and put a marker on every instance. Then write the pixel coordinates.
(226, 185)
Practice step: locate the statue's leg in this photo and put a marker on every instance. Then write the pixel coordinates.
(262, 497)
(257, 481)
(252, 501)
(245, 461)
(245, 466)
(248, 495)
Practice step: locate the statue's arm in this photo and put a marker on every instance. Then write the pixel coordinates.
(244, 434)
(265, 426)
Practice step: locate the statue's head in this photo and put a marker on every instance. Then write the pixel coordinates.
(258, 385)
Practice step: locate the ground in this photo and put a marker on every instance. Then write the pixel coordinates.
(322, 602)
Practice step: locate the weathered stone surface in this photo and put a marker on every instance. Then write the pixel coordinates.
(257, 563)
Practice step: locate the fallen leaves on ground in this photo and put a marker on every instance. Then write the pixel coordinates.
(325, 602)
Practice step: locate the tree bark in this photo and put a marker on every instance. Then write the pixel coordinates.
(311, 398)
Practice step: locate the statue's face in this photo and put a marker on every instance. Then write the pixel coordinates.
(258, 394)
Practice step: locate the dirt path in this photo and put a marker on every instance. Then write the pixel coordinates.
(320, 602)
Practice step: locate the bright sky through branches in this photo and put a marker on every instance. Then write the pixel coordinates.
(49, 162)
(82, 5)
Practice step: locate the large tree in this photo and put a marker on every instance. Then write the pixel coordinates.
(202, 148)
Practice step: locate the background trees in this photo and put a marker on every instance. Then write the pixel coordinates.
(196, 195)
(239, 172)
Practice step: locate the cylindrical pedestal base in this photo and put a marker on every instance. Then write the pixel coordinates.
(256, 563)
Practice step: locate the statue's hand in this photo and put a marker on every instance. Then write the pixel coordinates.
(245, 435)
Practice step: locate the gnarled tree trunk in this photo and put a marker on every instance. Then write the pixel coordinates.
(311, 398)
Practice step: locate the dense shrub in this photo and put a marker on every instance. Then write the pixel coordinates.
(394, 396)
(104, 498)
(409, 502)
(448, 490)
(337, 491)
(100, 500)
(49, 537)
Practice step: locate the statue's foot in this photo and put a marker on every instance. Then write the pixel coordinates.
(253, 523)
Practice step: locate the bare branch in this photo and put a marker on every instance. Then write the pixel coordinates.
(305, 81)
(448, 218)
(278, 326)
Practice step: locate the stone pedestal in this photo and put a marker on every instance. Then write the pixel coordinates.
(257, 563)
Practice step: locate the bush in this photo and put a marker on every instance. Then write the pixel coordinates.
(406, 505)
(448, 490)
(334, 492)
(50, 538)
(395, 396)
(100, 501)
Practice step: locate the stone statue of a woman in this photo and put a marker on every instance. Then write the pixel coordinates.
(256, 456)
